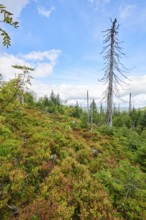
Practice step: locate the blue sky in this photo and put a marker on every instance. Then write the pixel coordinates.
(62, 40)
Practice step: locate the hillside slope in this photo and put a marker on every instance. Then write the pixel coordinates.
(52, 168)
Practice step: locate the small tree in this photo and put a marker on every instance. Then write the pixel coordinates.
(10, 91)
(77, 111)
(112, 54)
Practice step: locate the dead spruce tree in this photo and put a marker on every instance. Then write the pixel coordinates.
(112, 66)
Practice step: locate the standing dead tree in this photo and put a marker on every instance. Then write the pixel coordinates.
(130, 105)
(112, 55)
(88, 108)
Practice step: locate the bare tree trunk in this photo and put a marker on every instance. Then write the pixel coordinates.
(129, 103)
(88, 107)
(112, 55)
(110, 84)
(119, 108)
(101, 109)
(114, 110)
(92, 115)
(22, 99)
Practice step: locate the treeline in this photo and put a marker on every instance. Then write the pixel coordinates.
(95, 116)
(13, 95)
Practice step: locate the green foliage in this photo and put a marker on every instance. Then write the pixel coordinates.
(53, 167)
(141, 157)
(12, 91)
(84, 120)
(122, 120)
(7, 19)
(8, 92)
(76, 111)
(106, 130)
(29, 98)
(126, 184)
(52, 104)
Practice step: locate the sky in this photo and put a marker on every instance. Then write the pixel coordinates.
(63, 39)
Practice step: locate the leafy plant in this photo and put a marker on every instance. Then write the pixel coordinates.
(7, 19)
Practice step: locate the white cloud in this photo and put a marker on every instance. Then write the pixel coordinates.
(133, 17)
(43, 11)
(43, 69)
(99, 2)
(6, 62)
(98, 5)
(126, 11)
(73, 93)
(51, 55)
(15, 7)
(91, 1)
(68, 91)
(137, 85)
(43, 62)
(138, 90)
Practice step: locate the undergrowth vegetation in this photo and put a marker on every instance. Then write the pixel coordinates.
(52, 166)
